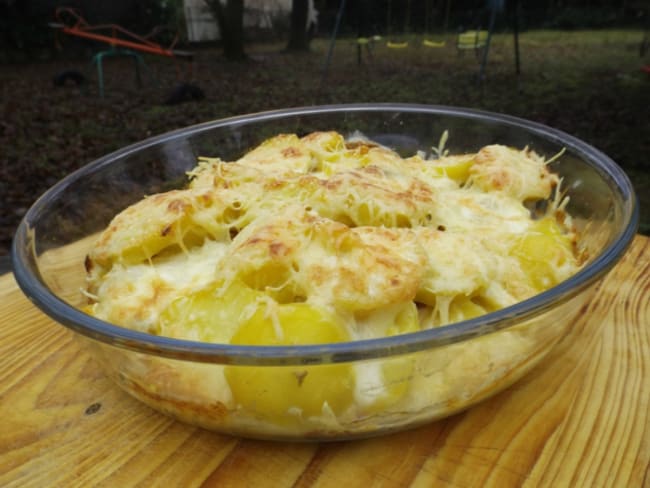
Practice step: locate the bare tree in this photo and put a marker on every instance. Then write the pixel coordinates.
(230, 18)
(299, 37)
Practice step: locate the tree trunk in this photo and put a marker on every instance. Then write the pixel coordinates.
(298, 37)
(230, 17)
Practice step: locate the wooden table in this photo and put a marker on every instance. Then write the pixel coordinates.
(580, 419)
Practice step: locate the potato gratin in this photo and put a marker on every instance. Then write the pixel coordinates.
(316, 239)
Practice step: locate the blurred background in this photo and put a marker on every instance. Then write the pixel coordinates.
(80, 79)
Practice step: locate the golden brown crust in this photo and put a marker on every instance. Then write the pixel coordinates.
(348, 225)
(520, 174)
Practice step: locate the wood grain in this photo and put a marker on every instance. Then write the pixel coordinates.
(580, 419)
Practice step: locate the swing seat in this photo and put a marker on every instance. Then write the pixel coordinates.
(472, 39)
(365, 41)
(428, 43)
(397, 45)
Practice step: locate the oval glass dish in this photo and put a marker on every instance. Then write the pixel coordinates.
(428, 374)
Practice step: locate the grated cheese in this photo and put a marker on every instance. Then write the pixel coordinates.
(347, 225)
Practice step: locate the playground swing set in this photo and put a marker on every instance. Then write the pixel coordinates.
(121, 43)
(426, 42)
(477, 40)
(370, 42)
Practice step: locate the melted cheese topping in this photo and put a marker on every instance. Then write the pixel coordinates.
(352, 227)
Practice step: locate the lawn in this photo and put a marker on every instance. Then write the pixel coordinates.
(587, 83)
